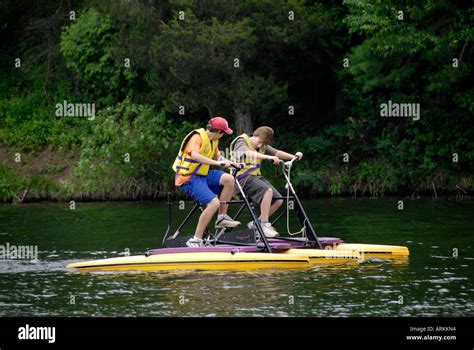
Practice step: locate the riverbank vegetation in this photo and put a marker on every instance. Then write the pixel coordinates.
(317, 72)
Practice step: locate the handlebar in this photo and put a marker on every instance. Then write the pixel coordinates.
(288, 163)
(233, 166)
(238, 167)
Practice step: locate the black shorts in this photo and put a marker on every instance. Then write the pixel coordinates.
(255, 187)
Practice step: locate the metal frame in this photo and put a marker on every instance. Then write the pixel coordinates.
(310, 233)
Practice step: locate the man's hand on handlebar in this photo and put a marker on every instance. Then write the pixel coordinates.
(237, 165)
(288, 164)
(274, 159)
(229, 164)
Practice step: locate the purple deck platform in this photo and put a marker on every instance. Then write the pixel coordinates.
(223, 248)
(275, 243)
(299, 242)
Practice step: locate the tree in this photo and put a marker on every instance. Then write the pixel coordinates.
(199, 64)
(419, 53)
(87, 47)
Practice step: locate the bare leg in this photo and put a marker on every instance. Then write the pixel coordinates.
(227, 181)
(265, 205)
(275, 206)
(206, 216)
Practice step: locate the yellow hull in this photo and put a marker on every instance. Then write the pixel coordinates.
(291, 258)
(371, 250)
(351, 251)
(323, 255)
(194, 261)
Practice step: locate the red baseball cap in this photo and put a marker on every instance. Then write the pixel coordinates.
(220, 123)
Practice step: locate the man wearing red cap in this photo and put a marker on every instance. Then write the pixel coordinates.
(199, 150)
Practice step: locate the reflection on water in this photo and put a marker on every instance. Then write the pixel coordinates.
(432, 282)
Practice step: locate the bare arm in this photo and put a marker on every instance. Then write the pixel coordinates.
(284, 155)
(257, 155)
(220, 162)
(288, 156)
(204, 160)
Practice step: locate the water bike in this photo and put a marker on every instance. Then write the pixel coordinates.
(248, 249)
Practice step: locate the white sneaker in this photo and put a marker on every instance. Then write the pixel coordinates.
(267, 227)
(225, 221)
(269, 230)
(195, 243)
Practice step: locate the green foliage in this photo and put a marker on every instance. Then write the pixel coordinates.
(193, 65)
(10, 184)
(13, 186)
(24, 122)
(411, 61)
(190, 63)
(27, 123)
(87, 47)
(41, 187)
(150, 140)
(378, 175)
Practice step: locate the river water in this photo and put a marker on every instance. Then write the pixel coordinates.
(436, 280)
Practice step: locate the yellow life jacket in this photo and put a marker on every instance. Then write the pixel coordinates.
(185, 165)
(252, 164)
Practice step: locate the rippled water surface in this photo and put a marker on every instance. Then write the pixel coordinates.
(436, 280)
